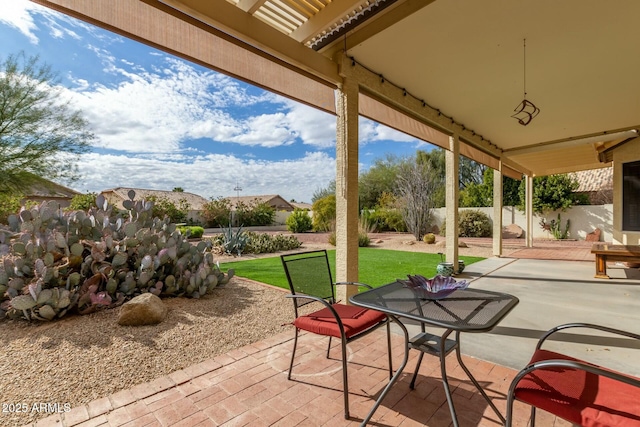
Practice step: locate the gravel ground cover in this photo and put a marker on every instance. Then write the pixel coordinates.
(82, 358)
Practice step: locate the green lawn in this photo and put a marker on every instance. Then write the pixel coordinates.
(377, 266)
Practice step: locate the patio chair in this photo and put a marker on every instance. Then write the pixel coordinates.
(310, 281)
(577, 391)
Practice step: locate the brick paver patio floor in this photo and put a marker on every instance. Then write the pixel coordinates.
(249, 387)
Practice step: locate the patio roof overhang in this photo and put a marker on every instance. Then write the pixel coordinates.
(458, 64)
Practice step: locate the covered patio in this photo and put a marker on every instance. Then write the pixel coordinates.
(528, 89)
(249, 386)
(449, 72)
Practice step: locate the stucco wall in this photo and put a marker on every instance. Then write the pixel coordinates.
(583, 220)
(626, 153)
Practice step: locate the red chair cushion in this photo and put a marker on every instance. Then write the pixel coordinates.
(354, 319)
(579, 397)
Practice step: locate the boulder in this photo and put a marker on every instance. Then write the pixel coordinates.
(145, 309)
(594, 236)
(512, 231)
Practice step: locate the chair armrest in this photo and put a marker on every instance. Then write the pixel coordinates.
(310, 297)
(587, 326)
(324, 302)
(573, 364)
(354, 283)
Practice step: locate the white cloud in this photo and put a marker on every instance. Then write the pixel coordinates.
(211, 175)
(17, 14)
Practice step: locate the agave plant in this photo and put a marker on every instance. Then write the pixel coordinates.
(53, 262)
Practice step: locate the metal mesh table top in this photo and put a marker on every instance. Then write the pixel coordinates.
(470, 310)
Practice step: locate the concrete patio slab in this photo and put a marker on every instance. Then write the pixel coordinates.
(553, 293)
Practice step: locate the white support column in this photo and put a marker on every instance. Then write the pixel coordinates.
(529, 209)
(347, 188)
(452, 162)
(497, 211)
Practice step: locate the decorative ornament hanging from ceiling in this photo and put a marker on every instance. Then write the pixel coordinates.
(526, 110)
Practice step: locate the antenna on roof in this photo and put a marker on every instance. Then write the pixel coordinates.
(237, 189)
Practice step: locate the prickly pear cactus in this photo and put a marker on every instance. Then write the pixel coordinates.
(53, 262)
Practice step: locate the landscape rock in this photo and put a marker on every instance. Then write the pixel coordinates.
(512, 231)
(594, 236)
(145, 309)
(443, 243)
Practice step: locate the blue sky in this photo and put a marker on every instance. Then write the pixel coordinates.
(161, 122)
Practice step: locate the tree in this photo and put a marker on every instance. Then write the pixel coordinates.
(324, 213)
(178, 190)
(321, 193)
(217, 212)
(550, 193)
(469, 172)
(40, 133)
(476, 195)
(380, 178)
(416, 185)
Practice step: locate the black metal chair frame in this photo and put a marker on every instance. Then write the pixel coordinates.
(327, 302)
(560, 363)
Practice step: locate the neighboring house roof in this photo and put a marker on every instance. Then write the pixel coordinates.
(302, 205)
(195, 202)
(49, 189)
(594, 179)
(274, 200)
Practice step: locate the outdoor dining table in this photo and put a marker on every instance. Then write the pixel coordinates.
(465, 310)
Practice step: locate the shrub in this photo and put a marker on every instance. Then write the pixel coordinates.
(254, 213)
(299, 221)
(471, 223)
(58, 262)
(364, 228)
(387, 216)
(258, 243)
(388, 220)
(191, 231)
(83, 202)
(9, 204)
(555, 228)
(162, 207)
(324, 213)
(363, 239)
(429, 238)
(216, 212)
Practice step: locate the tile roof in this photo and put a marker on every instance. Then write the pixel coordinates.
(594, 179)
(196, 202)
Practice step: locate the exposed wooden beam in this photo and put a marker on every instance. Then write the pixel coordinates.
(202, 44)
(227, 17)
(320, 21)
(250, 6)
(378, 23)
(607, 136)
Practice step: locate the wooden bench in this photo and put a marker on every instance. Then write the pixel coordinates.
(605, 252)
